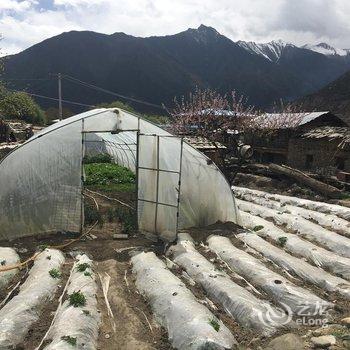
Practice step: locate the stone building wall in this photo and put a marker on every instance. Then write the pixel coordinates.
(315, 154)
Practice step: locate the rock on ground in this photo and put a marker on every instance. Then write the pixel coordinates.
(288, 341)
(323, 342)
(346, 322)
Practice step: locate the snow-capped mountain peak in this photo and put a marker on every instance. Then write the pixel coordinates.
(271, 51)
(326, 49)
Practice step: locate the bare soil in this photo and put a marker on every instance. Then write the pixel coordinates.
(130, 313)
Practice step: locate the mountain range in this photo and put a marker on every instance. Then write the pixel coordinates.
(156, 69)
(334, 97)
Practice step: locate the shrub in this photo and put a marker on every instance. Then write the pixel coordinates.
(127, 217)
(19, 105)
(91, 215)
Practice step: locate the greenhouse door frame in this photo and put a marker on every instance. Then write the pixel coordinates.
(83, 142)
(158, 170)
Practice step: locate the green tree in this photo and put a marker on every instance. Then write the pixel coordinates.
(19, 105)
(156, 119)
(52, 113)
(117, 104)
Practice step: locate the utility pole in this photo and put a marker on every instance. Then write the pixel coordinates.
(60, 112)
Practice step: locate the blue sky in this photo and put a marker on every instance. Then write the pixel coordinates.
(26, 22)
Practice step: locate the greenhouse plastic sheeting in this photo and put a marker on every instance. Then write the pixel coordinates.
(297, 266)
(40, 182)
(294, 244)
(24, 309)
(8, 257)
(333, 241)
(243, 306)
(322, 207)
(283, 292)
(82, 322)
(329, 221)
(176, 308)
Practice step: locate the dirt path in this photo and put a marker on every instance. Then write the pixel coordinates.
(130, 312)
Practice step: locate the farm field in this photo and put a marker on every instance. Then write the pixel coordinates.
(285, 275)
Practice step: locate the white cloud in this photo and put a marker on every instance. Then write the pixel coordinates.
(24, 24)
(16, 6)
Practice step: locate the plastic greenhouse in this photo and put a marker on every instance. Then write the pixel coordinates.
(41, 182)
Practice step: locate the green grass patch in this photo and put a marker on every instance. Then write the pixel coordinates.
(258, 228)
(77, 299)
(98, 158)
(107, 174)
(128, 187)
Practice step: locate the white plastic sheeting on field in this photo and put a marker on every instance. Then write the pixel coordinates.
(333, 241)
(8, 257)
(329, 221)
(326, 208)
(81, 322)
(24, 309)
(283, 292)
(297, 266)
(243, 306)
(319, 256)
(190, 325)
(40, 182)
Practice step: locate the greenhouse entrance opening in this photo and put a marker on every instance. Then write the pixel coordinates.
(109, 187)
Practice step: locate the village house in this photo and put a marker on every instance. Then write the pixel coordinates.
(12, 134)
(320, 140)
(211, 149)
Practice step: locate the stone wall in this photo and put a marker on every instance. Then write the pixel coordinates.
(315, 154)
